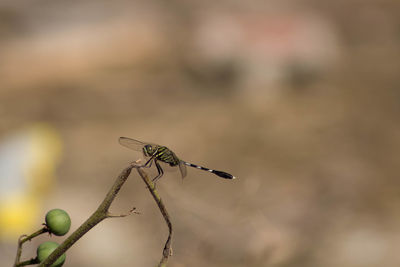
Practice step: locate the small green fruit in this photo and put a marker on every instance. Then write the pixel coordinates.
(58, 222)
(45, 249)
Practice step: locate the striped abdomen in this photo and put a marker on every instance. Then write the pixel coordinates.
(218, 173)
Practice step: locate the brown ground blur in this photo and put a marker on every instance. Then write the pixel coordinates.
(299, 100)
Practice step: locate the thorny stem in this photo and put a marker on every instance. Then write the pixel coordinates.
(21, 240)
(28, 262)
(151, 186)
(100, 214)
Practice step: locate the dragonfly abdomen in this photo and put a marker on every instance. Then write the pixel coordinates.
(218, 173)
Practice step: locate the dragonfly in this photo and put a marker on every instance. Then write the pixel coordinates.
(157, 153)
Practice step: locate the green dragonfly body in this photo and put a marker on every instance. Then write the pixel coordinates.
(156, 153)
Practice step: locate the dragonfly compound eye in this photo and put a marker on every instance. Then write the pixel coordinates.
(149, 149)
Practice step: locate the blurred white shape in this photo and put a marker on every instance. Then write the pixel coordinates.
(27, 162)
(12, 155)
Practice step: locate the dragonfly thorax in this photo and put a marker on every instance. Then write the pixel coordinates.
(161, 153)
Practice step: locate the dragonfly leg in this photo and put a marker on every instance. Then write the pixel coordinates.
(150, 161)
(160, 172)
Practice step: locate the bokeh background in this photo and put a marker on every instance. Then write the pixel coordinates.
(298, 99)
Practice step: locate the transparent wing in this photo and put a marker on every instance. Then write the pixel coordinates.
(182, 168)
(131, 143)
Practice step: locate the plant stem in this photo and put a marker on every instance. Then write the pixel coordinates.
(151, 186)
(28, 262)
(22, 240)
(100, 214)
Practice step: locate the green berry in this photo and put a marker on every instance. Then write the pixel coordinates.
(58, 222)
(45, 249)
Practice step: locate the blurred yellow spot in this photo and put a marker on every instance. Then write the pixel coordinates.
(17, 216)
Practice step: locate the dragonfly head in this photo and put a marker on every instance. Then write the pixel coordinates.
(148, 150)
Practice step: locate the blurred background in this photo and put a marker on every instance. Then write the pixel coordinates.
(298, 99)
